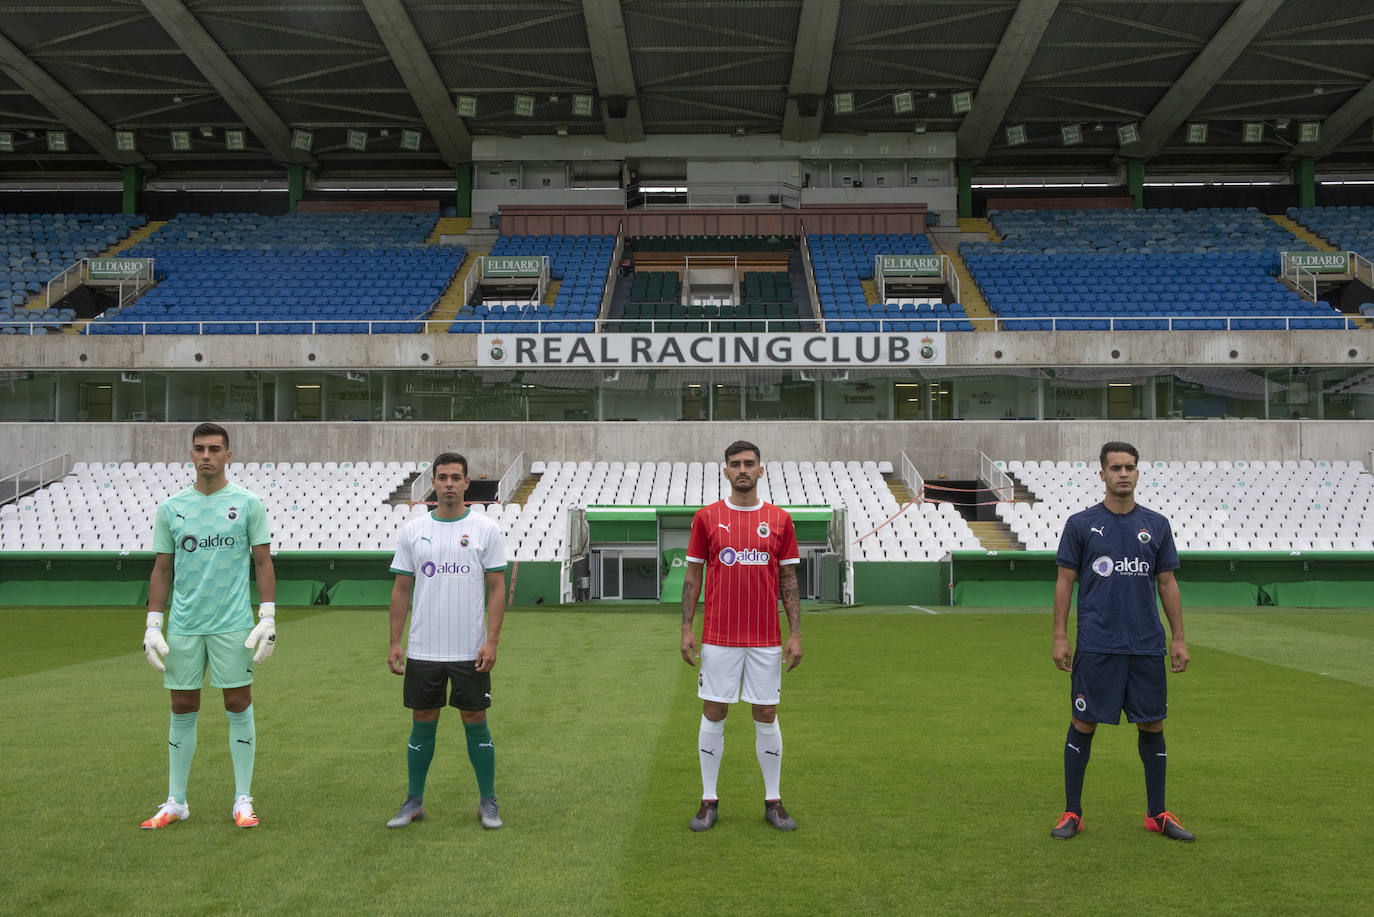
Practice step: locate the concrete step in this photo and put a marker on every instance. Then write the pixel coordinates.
(451, 301)
(995, 536)
(448, 226)
(1302, 232)
(978, 224)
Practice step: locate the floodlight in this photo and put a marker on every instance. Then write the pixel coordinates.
(903, 103)
(124, 141)
(181, 141)
(583, 105)
(1016, 135)
(524, 106)
(844, 103)
(6, 142)
(1128, 133)
(234, 139)
(1197, 133)
(1071, 134)
(961, 101)
(1309, 131)
(357, 140)
(410, 140)
(467, 106)
(57, 141)
(302, 139)
(1252, 132)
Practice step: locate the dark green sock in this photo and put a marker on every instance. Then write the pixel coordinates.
(419, 752)
(482, 754)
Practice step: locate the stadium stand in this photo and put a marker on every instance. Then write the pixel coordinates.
(580, 263)
(292, 274)
(38, 247)
(1347, 228)
(1245, 505)
(841, 263)
(344, 506)
(1208, 269)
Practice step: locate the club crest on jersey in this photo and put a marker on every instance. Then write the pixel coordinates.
(763, 530)
(232, 514)
(1143, 536)
(750, 557)
(463, 541)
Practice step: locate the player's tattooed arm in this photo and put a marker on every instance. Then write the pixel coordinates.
(691, 591)
(791, 597)
(791, 604)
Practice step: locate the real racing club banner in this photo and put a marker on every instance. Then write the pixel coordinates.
(554, 351)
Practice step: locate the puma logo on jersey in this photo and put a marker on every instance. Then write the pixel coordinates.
(425, 538)
(722, 525)
(1098, 531)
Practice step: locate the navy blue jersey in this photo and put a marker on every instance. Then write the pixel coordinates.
(1117, 557)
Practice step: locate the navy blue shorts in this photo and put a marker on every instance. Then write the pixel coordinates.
(1103, 684)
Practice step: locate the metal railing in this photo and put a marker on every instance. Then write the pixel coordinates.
(1299, 277)
(912, 479)
(27, 480)
(997, 478)
(1361, 269)
(129, 287)
(544, 321)
(608, 288)
(510, 481)
(718, 195)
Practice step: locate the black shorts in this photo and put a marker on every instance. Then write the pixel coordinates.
(1103, 684)
(425, 683)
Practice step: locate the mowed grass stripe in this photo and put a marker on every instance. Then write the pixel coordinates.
(1327, 645)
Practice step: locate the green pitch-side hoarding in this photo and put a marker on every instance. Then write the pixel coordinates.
(117, 268)
(512, 266)
(911, 265)
(1321, 262)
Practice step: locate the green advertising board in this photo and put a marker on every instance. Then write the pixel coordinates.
(1321, 262)
(118, 268)
(512, 266)
(911, 265)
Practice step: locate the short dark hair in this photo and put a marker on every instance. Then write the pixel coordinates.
(1118, 447)
(210, 429)
(449, 458)
(741, 445)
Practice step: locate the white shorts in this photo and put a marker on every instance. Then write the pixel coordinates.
(723, 668)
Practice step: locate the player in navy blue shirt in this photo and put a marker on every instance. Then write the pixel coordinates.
(1120, 554)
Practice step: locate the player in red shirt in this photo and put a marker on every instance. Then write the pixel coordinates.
(749, 551)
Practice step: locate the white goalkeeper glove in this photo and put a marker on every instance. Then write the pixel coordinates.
(264, 636)
(154, 647)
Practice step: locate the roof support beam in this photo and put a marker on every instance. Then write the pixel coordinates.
(64, 106)
(615, 78)
(427, 88)
(810, 81)
(1343, 122)
(1003, 77)
(227, 79)
(1210, 65)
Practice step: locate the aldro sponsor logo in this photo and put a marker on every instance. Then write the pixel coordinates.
(430, 568)
(750, 557)
(1133, 566)
(191, 543)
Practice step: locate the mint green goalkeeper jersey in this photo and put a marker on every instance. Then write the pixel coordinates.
(210, 538)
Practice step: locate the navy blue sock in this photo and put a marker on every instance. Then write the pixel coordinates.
(1152, 755)
(1078, 746)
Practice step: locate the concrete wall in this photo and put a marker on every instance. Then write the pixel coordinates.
(990, 351)
(936, 447)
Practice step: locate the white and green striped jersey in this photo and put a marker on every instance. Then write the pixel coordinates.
(449, 559)
(210, 538)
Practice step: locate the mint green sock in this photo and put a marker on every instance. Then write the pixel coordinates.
(181, 747)
(482, 754)
(419, 752)
(243, 737)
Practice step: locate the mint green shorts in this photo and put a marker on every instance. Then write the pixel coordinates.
(231, 663)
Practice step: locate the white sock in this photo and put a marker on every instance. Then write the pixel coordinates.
(710, 746)
(768, 746)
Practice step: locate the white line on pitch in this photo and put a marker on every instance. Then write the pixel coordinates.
(923, 608)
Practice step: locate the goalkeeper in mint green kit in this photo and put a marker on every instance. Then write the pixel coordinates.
(206, 537)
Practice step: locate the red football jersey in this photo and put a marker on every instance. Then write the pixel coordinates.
(742, 549)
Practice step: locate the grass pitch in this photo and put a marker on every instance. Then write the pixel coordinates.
(923, 764)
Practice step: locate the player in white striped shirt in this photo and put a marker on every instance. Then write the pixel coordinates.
(747, 550)
(450, 568)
